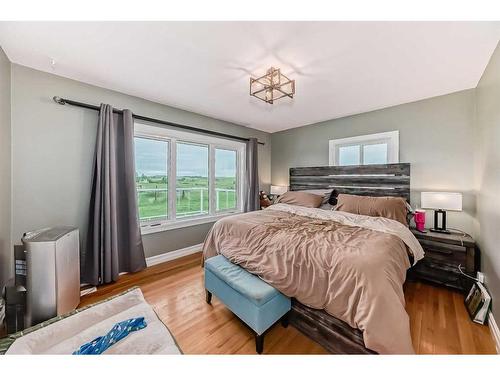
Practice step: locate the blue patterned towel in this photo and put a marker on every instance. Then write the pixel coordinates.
(118, 332)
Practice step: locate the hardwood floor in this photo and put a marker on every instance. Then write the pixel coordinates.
(439, 321)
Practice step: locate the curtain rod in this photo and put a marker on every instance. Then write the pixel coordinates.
(63, 101)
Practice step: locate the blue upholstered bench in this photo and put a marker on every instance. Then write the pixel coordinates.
(255, 302)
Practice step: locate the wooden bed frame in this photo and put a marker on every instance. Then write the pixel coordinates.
(373, 180)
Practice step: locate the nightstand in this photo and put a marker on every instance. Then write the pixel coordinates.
(443, 254)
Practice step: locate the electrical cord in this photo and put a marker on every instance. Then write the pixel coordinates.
(464, 234)
(463, 273)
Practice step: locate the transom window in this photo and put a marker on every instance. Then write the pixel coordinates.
(380, 148)
(184, 178)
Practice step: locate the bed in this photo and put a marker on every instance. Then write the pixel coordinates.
(345, 272)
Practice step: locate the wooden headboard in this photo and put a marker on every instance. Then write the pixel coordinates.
(374, 180)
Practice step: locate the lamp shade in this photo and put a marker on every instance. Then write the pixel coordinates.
(278, 190)
(441, 201)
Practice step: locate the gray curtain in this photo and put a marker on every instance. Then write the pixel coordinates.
(252, 201)
(114, 242)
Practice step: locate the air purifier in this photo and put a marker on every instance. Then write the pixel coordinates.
(52, 273)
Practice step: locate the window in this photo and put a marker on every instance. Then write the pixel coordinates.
(225, 179)
(192, 179)
(380, 148)
(151, 176)
(184, 178)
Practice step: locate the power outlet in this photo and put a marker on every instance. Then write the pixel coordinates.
(480, 277)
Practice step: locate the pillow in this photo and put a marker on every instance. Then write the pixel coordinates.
(389, 207)
(301, 198)
(325, 193)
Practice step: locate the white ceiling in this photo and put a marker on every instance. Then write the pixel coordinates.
(340, 68)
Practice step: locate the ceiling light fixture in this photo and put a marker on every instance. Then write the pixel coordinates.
(272, 86)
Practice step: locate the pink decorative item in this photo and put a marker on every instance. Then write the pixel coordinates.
(419, 218)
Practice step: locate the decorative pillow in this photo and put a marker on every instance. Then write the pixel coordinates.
(389, 207)
(325, 193)
(301, 198)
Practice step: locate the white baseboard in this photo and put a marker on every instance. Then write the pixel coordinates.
(171, 255)
(495, 332)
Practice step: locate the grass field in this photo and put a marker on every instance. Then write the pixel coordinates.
(192, 195)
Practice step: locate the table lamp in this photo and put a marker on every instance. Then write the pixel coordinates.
(441, 202)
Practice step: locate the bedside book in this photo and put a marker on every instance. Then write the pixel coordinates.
(478, 303)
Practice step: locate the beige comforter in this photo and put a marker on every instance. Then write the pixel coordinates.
(352, 266)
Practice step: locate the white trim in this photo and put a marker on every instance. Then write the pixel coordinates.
(150, 130)
(211, 181)
(172, 177)
(391, 138)
(495, 332)
(171, 255)
(185, 222)
(84, 292)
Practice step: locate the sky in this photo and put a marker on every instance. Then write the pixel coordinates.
(192, 160)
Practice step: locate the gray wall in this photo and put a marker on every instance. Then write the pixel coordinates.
(53, 150)
(435, 137)
(488, 175)
(5, 170)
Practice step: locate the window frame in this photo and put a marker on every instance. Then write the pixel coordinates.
(390, 138)
(150, 131)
